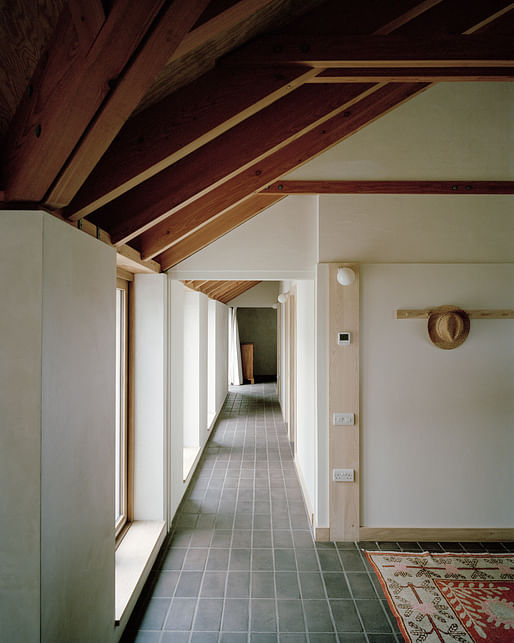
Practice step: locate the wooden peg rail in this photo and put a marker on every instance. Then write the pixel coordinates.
(404, 313)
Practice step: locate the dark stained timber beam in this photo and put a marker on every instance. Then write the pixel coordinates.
(181, 123)
(224, 158)
(377, 51)
(81, 95)
(284, 160)
(215, 228)
(229, 19)
(413, 75)
(390, 187)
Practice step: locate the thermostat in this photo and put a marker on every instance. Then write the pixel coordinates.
(344, 338)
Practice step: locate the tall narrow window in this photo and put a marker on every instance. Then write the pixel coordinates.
(121, 404)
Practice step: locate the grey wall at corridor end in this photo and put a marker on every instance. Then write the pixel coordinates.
(259, 327)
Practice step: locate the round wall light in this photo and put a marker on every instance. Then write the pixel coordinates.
(345, 276)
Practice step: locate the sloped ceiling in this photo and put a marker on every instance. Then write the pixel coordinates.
(223, 291)
(161, 125)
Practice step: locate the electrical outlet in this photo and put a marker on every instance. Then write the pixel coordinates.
(342, 475)
(345, 419)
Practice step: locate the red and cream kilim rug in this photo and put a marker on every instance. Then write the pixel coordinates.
(449, 597)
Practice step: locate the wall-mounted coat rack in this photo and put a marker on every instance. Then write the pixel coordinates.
(404, 313)
(448, 326)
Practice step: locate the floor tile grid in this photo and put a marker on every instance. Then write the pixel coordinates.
(195, 615)
(263, 426)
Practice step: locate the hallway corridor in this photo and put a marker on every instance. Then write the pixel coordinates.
(241, 565)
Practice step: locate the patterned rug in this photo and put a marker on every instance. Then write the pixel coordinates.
(449, 597)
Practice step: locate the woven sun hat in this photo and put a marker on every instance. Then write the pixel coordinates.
(448, 326)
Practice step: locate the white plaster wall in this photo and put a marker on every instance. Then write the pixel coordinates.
(306, 433)
(437, 440)
(176, 390)
(203, 365)
(263, 295)
(450, 131)
(191, 404)
(179, 299)
(400, 228)
(212, 374)
(21, 258)
(322, 365)
(77, 435)
(276, 244)
(221, 354)
(149, 395)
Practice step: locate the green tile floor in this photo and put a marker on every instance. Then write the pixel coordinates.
(241, 565)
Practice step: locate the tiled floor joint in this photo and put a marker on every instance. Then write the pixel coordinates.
(241, 565)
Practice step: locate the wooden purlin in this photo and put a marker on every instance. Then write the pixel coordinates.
(458, 52)
(413, 75)
(458, 187)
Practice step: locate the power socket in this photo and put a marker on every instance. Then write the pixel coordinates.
(342, 475)
(345, 419)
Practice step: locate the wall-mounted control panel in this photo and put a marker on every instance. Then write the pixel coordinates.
(343, 419)
(343, 475)
(344, 338)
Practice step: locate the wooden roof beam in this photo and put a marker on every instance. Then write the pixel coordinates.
(157, 137)
(390, 187)
(181, 123)
(80, 96)
(227, 156)
(284, 160)
(377, 51)
(215, 228)
(413, 75)
(224, 21)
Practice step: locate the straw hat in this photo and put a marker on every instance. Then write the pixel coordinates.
(448, 326)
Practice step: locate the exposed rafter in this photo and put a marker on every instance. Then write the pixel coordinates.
(295, 153)
(81, 95)
(222, 159)
(171, 173)
(190, 118)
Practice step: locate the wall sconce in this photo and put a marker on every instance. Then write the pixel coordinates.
(282, 298)
(345, 276)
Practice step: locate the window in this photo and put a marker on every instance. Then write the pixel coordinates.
(121, 468)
